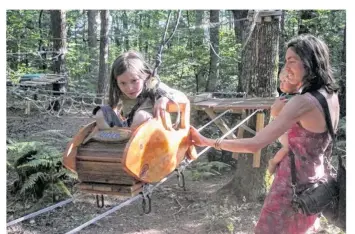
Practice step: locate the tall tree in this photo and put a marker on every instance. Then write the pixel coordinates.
(59, 40)
(125, 30)
(260, 66)
(103, 67)
(214, 51)
(92, 40)
(342, 82)
(240, 28)
(58, 21)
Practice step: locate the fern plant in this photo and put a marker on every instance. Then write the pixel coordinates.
(38, 167)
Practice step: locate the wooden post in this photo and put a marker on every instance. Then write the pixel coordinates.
(260, 119)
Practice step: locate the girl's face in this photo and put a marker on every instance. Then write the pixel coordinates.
(130, 84)
(294, 67)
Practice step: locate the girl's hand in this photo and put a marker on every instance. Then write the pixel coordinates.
(160, 107)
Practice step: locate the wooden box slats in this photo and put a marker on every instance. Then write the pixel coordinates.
(100, 162)
(120, 190)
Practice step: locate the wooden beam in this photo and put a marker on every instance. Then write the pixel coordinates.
(260, 120)
(222, 126)
(220, 123)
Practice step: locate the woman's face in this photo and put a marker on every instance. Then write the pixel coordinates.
(130, 84)
(285, 85)
(294, 67)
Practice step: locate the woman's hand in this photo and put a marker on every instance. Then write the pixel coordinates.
(197, 138)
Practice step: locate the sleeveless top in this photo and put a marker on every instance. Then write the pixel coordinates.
(310, 150)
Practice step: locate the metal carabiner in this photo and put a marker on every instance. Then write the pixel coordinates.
(144, 204)
(98, 202)
(181, 179)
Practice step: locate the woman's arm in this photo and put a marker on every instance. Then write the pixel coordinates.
(277, 106)
(289, 115)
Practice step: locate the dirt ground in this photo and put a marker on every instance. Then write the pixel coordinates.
(202, 209)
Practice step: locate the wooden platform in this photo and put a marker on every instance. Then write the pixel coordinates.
(244, 106)
(234, 104)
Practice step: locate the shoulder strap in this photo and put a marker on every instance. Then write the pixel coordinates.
(321, 99)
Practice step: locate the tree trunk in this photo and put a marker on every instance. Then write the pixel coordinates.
(260, 65)
(140, 35)
(214, 51)
(59, 40)
(282, 47)
(342, 82)
(240, 26)
(198, 45)
(59, 34)
(125, 30)
(92, 41)
(101, 86)
(41, 47)
(146, 44)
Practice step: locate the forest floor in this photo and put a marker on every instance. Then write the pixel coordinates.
(203, 208)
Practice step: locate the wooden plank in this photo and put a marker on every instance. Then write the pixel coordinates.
(69, 160)
(98, 158)
(119, 147)
(260, 120)
(110, 187)
(104, 168)
(123, 194)
(99, 153)
(107, 179)
(234, 104)
(220, 123)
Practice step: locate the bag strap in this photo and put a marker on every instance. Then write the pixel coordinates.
(324, 105)
(323, 102)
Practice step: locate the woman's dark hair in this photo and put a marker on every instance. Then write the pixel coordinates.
(314, 54)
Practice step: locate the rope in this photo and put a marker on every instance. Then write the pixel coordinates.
(62, 203)
(230, 131)
(164, 42)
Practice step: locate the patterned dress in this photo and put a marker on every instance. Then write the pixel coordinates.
(310, 149)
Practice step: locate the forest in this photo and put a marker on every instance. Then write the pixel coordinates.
(209, 51)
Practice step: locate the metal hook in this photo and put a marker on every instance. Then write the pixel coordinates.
(144, 204)
(98, 202)
(181, 179)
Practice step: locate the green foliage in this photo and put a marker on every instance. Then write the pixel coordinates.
(185, 60)
(38, 167)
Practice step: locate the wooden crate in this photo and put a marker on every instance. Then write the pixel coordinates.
(100, 162)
